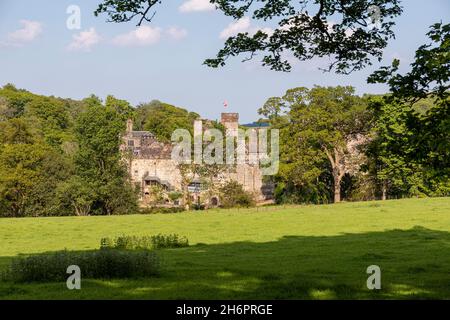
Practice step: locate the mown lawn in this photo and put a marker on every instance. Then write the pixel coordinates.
(301, 252)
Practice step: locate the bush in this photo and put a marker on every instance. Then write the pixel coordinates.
(152, 210)
(159, 241)
(198, 207)
(233, 194)
(98, 264)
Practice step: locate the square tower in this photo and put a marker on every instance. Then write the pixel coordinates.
(231, 123)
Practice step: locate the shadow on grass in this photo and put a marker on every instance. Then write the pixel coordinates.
(415, 264)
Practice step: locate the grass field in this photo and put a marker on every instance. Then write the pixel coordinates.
(301, 252)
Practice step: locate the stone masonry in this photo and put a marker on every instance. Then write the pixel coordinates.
(150, 164)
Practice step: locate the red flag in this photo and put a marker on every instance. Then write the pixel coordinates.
(225, 103)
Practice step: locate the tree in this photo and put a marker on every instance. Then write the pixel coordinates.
(13, 102)
(50, 118)
(5, 112)
(390, 149)
(429, 78)
(15, 131)
(121, 107)
(188, 172)
(324, 129)
(306, 29)
(430, 72)
(175, 195)
(232, 194)
(98, 160)
(162, 119)
(29, 175)
(78, 193)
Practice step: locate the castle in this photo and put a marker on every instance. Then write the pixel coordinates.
(151, 168)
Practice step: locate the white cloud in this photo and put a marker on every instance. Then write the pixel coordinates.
(241, 26)
(196, 5)
(142, 36)
(176, 33)
(84, 40)
(30, 30)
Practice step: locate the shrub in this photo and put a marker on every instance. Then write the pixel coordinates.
(98, 264)
(152, 210)
(233, 194)
(159, 241)
(169, 241)
(198, 207)
(175, 195)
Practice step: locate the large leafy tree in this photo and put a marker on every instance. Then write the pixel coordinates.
(29, 176)
(13, 101)
(16, 130)
(390, 151)
(162, 119)
(430, 72)
(321, 131)
(60, 156)
(338, 29)
(98, 160)
(428, 78)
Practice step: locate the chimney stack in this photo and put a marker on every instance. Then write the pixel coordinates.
(129, 126)
(231, 123)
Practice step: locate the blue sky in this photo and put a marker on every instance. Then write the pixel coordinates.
(164, 60)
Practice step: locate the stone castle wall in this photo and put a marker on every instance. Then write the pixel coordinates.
(150, 162)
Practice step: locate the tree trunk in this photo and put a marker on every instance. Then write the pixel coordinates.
(186, 200)
(384, 191)
(337, 190)
(338, 170)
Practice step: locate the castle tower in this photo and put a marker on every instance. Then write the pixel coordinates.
(231, 123)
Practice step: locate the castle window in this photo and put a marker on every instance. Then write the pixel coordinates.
(131, 143)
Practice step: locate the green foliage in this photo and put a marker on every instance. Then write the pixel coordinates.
(98, 160)
(157, 194)
(29, 176)
(60, 156)
(430, 72)
(154, 210)
(48, 118)
(316, 126)
(99, 264)
(13, 101)
(175, 195)
(16, 130)
(393, 153)
(232, 194)
(307, 29)
(163, 119)
(121, 107)
(76, 195)
(159, 241)
(427, 132)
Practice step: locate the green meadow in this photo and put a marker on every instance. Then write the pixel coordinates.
(279, 252)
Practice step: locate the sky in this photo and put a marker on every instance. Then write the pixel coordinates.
(163, 59)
